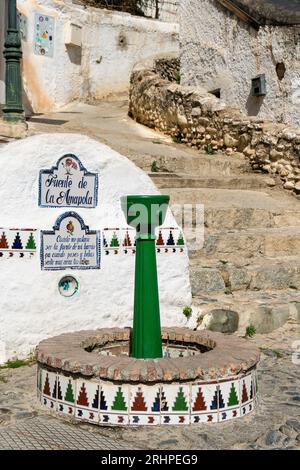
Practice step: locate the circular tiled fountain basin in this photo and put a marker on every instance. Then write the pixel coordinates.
(204, 377)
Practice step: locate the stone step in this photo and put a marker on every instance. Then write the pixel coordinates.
(234, 209)
(220, 198)
(265, 310)
(195, 163)
(232, 244)
(235, 218)
(260, 274)
(245, 218)
(175, 180)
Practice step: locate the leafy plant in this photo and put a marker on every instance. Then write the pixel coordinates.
(187, 312)
(272, 352)
(227, 291)
(135, 7)
(177, 139)
(3, 380)
(250, 331)
(154, 167)
(278, 354)
(16, 363)
(209, 150)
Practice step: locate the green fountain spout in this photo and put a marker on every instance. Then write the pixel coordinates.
(145, 213)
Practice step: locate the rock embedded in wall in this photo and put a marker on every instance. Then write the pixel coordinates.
(168, 68)
(47, 286)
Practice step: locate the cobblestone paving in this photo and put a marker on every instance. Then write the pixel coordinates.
(47, 433)
(275, 425)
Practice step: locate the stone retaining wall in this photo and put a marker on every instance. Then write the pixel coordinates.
(168, 69)
(199, 119)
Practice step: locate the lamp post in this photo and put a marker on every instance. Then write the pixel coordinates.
(145, 213)
(13, 110)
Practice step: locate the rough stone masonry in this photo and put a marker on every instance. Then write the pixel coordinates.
(199, 119)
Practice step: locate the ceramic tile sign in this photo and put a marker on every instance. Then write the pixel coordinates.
(44, 35)
(71, 245)
(68, 184)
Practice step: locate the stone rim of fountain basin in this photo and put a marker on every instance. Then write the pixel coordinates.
(227, 356)
(219, 383)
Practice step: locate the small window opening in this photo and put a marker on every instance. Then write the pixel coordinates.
(280, 70)
(216, 93)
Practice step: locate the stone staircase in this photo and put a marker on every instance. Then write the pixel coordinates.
(250, 259)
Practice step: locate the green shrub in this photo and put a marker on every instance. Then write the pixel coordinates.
(154, 168)
(177, 139)
(16, 363)
(278, 354)
(209, 150)
(187, 312)
(250, 331)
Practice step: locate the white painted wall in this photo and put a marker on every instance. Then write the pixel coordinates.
(31, 307)
(112, 44)
(220, 51)
(2, 35)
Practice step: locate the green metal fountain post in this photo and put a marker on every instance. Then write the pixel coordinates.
(13, 110)
(145, 213)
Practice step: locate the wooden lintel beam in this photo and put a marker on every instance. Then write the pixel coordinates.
(240, 13)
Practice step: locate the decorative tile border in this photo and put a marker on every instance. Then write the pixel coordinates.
(23, 243)
(107, 403)
(66, 395)
(18, 243)
(145, 404)
(122, 241)
(48, 390)
(87, 400)
(205, 399)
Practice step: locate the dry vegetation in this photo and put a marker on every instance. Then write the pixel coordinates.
(135, 7)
